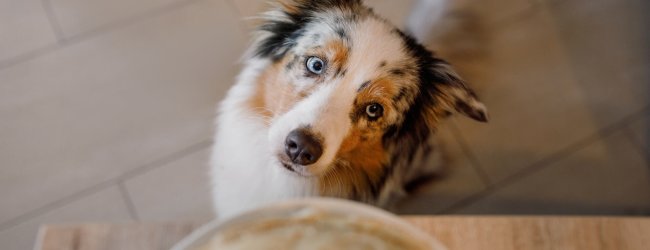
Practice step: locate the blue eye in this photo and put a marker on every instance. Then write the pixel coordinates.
(315, 65)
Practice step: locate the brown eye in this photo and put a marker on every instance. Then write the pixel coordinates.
(374, 111)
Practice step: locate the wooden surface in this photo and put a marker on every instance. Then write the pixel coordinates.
(564, 233)
(464, 232)
(112, 237)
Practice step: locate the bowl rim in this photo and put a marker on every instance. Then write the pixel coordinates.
(206, 232)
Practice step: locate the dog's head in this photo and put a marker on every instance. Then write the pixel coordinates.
(341, 83)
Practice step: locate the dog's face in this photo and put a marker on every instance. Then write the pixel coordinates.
(341, 82)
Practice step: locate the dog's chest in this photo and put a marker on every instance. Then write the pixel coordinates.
(244, 172)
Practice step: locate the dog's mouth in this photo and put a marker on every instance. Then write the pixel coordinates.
(287, 166)
(298, 170)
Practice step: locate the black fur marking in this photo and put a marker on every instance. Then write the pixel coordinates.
(385, 175)
(363, 86)
(292, 63)
(464, 108)
(414, 131)
(284, 33)
(354, 194)
(377, 186)
(382, 64)
(419, 182)
(342, 34)
(340, 72)
(397, 72)
(402, 93)
(356, 112)
(343, 72)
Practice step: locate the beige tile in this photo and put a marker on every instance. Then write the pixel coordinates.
(177, 191)
(79, 16)
(469, 16)
(640, 130)
(395, 11)
(607, 44)
(549, 80)
(536, 105)
(250, 8)
(606, 177)
(23, 27)
(250, 11)
(104, 206)
(492, 12)
(457, 180)
(104, 106)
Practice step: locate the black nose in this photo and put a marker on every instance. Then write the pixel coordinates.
(302, 147)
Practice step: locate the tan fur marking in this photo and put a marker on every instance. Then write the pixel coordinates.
(273, 95)
(356, 169)
(339, 52)
(360, 164)
(368, 156)
(380, 88)
(290, 6)
(257, 102)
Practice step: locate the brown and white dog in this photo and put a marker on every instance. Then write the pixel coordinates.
(333, 101)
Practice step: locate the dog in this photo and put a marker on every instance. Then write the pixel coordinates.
(333, 100)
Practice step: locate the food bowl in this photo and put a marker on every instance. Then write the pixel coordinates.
(313, 223)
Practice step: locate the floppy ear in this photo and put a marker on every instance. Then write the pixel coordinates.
(456, 97)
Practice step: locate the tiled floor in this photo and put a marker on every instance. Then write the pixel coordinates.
(106, 108)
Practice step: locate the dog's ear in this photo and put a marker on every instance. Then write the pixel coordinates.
(455, 96)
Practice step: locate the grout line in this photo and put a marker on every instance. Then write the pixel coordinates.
(53, 205)
(534, 168)
(167, 159)
(640, 148)
(127, 21)
(445, 209)
(129, 202)
(635, 140)
(513, 18)
(107, 183)
(473, 159)
(29, 55)
(54, 23)
(74, 39)
(540, 165)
